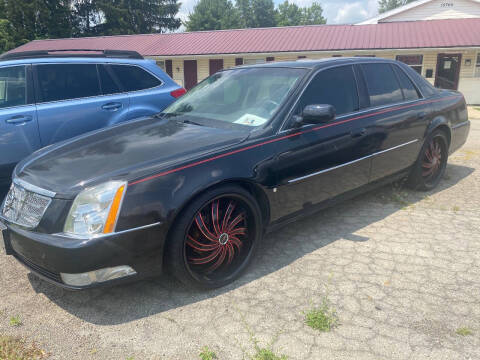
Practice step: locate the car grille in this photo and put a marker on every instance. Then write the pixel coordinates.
(24, 207)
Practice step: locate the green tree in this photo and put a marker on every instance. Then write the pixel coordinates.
(137, 16)
(313, 15)
(245, 12)
(36, 19)
(213, 15)
(7, 41)
(290, 14)
(386, 5)
(263, 13)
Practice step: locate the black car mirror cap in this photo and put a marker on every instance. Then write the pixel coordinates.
(315, 114)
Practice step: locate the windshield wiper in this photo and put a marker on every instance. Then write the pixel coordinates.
(186, 121)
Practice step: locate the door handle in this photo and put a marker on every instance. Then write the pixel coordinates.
(19, 119)
(358, 133)
(422, 115)
(112, 106)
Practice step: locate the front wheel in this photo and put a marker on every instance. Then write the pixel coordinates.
(431, 164)
(214, 238)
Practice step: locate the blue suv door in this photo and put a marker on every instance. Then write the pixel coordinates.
(18, 118)
(72, 99)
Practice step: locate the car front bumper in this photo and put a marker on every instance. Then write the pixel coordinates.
(50, 255)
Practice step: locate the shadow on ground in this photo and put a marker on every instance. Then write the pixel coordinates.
(121, 304)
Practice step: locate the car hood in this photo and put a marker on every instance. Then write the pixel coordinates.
(127, 151)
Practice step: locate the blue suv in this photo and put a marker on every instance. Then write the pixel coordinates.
(50, 96)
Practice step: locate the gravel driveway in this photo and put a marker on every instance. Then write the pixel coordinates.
(401, 268)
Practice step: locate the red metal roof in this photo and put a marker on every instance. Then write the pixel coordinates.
(396, 35)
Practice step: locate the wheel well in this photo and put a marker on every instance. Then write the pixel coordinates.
(444, 128)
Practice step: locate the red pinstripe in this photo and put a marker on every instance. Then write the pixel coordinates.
(167, 172)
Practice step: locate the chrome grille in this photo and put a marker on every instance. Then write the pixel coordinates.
(24, 207)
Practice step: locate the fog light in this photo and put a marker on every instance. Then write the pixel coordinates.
(97, 276)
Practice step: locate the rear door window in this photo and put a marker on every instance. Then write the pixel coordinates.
(13, 86)
(110, 83)
(409, 90)
(134, 78)
(382, 84)
(67, 81)
(336, 87)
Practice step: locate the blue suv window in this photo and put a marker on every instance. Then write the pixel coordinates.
(134, 78)
(13, 86)
(67, 81)
(110, 84)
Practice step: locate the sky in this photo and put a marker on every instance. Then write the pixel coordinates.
(336, 11)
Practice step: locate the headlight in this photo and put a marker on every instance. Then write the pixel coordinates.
(95, 210)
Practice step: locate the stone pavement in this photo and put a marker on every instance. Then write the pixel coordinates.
(401, 268)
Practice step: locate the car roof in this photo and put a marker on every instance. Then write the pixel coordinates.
(73, 60)
(318, 63)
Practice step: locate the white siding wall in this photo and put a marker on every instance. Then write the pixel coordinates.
(437, 9)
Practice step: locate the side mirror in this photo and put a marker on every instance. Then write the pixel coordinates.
(315, 114)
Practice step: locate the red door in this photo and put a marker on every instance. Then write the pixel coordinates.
(215, 65)
(190, 73)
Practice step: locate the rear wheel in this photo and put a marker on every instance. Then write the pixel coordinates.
(430, 166)
(214, 238)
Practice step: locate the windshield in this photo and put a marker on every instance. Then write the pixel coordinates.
(248, 96)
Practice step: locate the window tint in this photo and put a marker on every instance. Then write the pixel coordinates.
(134, 78)
(67, 81)
(409, 90)
(109, 85)
(13, 86)
(335, 87)
(382, 84)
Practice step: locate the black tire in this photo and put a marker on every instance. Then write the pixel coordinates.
(431, 163)
(187, 242)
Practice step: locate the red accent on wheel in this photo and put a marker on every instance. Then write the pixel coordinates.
(217, 235)
(432, 160)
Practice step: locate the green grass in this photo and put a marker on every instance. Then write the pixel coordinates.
(12, 348)
(267, 354)
(322, 318)
(15, 321)
(464, 331)
(207, 354)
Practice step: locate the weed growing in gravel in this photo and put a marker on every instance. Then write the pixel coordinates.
(261, 353)
(464, 331)
(15, 321)
(323, 317)
(267, 354)
(207, 354)
(17, 349)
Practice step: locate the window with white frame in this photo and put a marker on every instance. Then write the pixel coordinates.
(253, 61)
(161, 64)
(477, 66)
(414, 61)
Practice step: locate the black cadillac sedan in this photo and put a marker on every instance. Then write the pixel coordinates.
(193, 190)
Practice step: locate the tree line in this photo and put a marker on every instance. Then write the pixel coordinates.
(224, 14)
(24, 20)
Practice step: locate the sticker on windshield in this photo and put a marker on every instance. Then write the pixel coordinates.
(251, 120)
